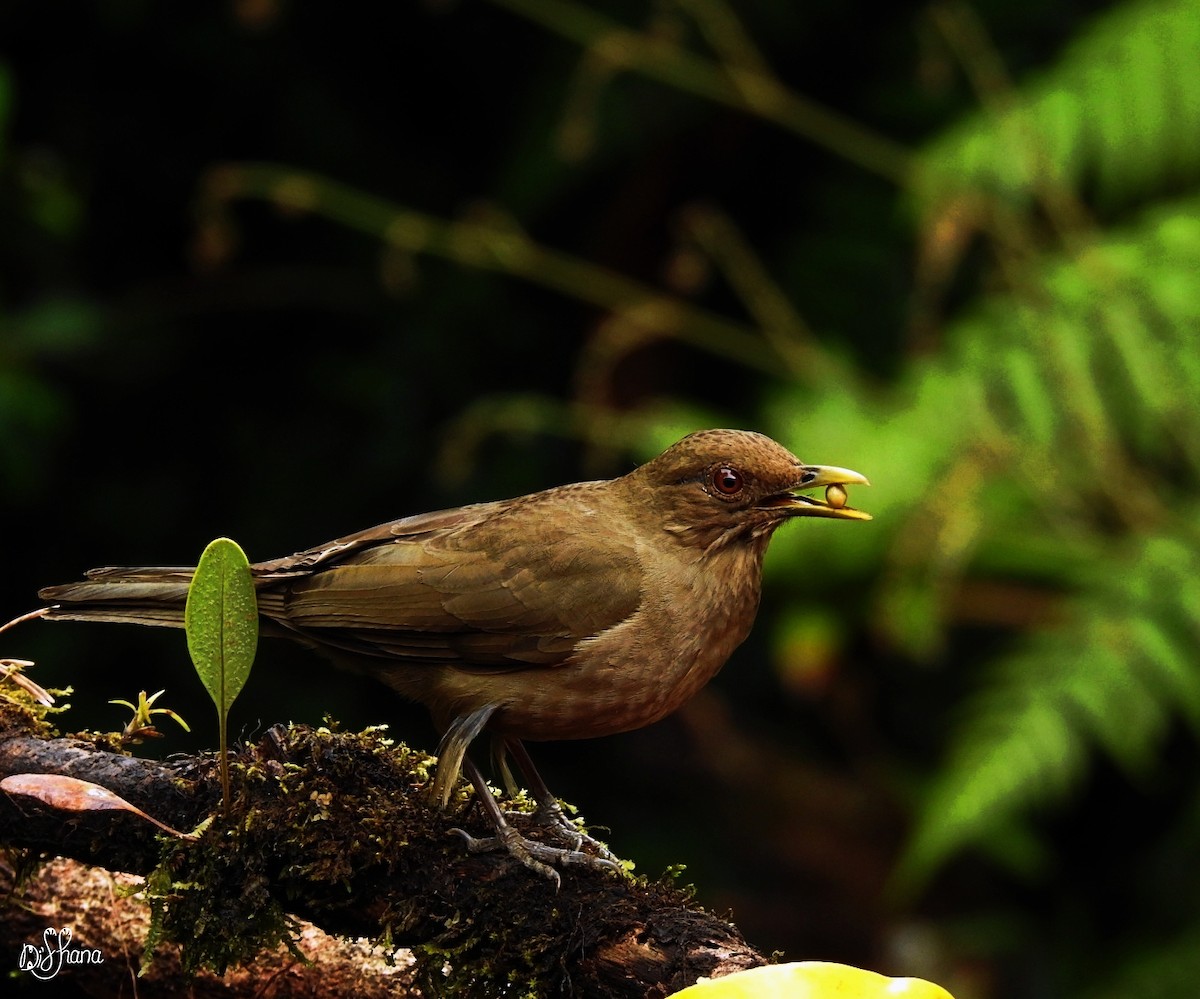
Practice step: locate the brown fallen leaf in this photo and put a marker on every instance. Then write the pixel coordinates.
(70, 794)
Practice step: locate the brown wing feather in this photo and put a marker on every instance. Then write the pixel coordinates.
(486, 586)
(347, 547)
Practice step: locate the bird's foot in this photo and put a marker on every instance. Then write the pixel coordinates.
(550, 816)
(539, 856)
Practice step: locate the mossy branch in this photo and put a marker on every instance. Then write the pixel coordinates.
(333, 827)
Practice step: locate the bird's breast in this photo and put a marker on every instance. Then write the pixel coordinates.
(690, 619)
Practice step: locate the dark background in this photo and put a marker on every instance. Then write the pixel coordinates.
(283, 379)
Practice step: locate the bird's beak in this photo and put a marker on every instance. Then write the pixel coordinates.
(833, 503)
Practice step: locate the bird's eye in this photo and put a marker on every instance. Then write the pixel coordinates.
(727, 481)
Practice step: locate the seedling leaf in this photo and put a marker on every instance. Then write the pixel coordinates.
(221, 619)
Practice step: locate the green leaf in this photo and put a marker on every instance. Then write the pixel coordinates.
(221, 620)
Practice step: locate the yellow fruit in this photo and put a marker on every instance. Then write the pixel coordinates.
(812, 980)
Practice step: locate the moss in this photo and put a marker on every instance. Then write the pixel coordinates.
(318, 820)
(522, 939)
(22, 714)
(105, 742)
(294, 827)
(534, 936)
(231, 915)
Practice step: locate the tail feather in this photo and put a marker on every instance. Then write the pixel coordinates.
(139, 595)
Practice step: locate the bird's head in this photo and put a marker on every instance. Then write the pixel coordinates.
(719, 486)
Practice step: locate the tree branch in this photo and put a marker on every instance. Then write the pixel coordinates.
(334, 827)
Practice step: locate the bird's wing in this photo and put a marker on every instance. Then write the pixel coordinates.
(345, 548)
(498, 585)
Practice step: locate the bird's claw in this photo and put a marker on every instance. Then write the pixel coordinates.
(550, 816)
(538, 856)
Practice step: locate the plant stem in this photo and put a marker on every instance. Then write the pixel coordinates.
(743, 86)
(491, 243)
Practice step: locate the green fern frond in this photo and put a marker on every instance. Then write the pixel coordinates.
(1119, 112)
(1068, 404)
(1048, 416)
(1101, 356)
(1111, 678)
(1004, 457)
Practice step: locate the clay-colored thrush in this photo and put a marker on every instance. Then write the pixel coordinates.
(579, 611)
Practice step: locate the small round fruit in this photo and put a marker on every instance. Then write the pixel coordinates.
(835, 496)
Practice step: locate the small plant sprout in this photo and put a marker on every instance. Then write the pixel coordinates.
(221, 622)
(141, 725)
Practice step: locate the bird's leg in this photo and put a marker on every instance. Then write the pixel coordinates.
(531, 853)
(501, 767)
(452, 759)
(550, 812)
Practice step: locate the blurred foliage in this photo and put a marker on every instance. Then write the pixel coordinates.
(1116, 116)
(994, 317)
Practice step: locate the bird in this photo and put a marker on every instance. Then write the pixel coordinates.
(579, 611)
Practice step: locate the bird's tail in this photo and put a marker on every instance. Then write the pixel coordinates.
(153, 595)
